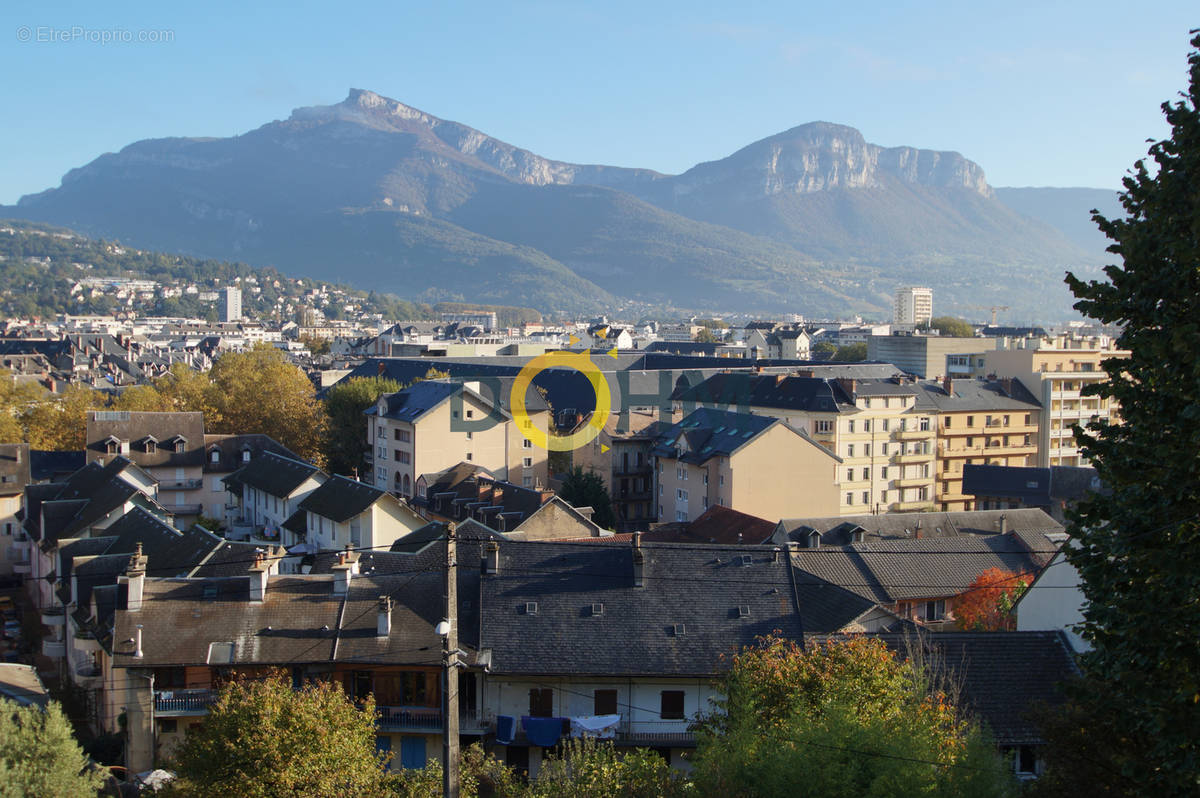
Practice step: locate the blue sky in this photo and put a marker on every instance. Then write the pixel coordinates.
(1061, 94)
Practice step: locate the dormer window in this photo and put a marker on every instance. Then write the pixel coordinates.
(215, 456)
(112, 445)
(245, 455)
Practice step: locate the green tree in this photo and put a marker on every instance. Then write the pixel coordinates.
(840, 718)
(586, 489)
(949, 325)
(479, 773)
(824, 350)
(851, 353)
(260, 391)
(1137, 546)
(594, 769)
(706, 336)
(347, 428)
(263, 739)
(39, 755)
(59, 422)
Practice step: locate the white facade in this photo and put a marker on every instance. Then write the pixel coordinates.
(231, 304)
(1054, 602)
(913, 307)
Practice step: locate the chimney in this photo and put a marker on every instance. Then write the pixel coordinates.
(639, 561)
(920, 532)
(344, 570)
(948, 385)
(383, 620)
(258, 578)
(491, 563)
(1003, 523)
(849, 386)
(135, 580)
(137, 647)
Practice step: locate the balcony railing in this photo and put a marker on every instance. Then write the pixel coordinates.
(183, 702)
(408, 718)
(184, 509)
(181, 484)
(656, 732)
(911, 434)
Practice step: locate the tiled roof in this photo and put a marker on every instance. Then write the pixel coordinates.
(717, 524)
(416, 400)
(273, 474)
(836, 530)
(685, 617)
(231, 447)
(777, 391)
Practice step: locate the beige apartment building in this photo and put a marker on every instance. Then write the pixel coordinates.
(750, 463)
(884, 442)
(620, 456)
(435, 424)
(983, 422)
(1055, 371)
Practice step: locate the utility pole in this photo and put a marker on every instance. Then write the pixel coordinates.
(450, 671)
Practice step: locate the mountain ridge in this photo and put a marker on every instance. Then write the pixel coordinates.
(813, 219)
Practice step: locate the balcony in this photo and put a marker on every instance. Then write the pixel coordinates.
(56, 649)
(901, 458)
(909, 506)
(633, 495)
(632, 470)
(911, 482)
(912, 434)
(399, 719)
(89, 677)
(181, 484)
(177, 703)
(86, 642)
(54, 616)
(368, 457)
(25, 567)
(184, 509)
(655, 732)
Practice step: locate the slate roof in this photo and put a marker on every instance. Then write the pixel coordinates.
(341, 498)
(777, 391)
(273, 474)
(717, 524)
(1003, 675)
(836, 530)
(826, 608)
(301, 620)
(136, 426)
(709, 433)
(232, 446)
(48, 465)
(1038, 487)
(60, 510)
(417, 540)
(975, 395)
(416, 400)
(887, 571)
(700, 589)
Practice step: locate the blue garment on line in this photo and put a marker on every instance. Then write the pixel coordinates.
(542, 732)
(506, 727)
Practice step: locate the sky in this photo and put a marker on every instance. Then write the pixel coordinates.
(1038, 94)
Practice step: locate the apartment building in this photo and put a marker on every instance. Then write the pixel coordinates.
(620, 456)
(14, 476)
(913, 307)
(984, 422)
(1055, 371)
(750, 463)
(926, 356)
(265, 493)
(436, 424)
(884, 444)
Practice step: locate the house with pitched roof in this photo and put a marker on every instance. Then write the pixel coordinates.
(344, 512)
(265, 493)
(751, 463)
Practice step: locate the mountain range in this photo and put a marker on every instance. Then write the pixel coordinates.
(381, 195)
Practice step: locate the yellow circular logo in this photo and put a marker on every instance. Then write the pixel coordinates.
(560, 359)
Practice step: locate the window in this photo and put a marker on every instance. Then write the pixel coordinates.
(721, 481)
(216, 485)
(526, 443)
(705, 502)
(970, 441)
(850, 426)
(380, 432)
(1025, 761)
(470, 435)
(970, 421)
(660, 489)
(1028, 419)
(672, 705)
(682, 495)
(850, 450)
(825, 425)
(935, 610)
(866, 425)
(705, 477)
(866, 450)
(849, 474)
(887, 424)
(469, 455)
(867, 402)
(923, 425)
(883, 449)
(866, 497)
(470, 414)
(245, 455)
(527, 462)
(168, 725)
(866, 473)
(681, 515)
(604, 702)
(541, 702)
(215, 457)
(946, 422)
(849, 498)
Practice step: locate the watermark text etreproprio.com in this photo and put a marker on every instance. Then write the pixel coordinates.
(51, 34)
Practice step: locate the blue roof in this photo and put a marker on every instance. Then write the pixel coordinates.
(417, 400)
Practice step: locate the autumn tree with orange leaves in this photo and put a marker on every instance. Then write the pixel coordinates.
(988, 603)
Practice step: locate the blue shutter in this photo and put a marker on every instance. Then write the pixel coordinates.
(384, 745)
(412, 752)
